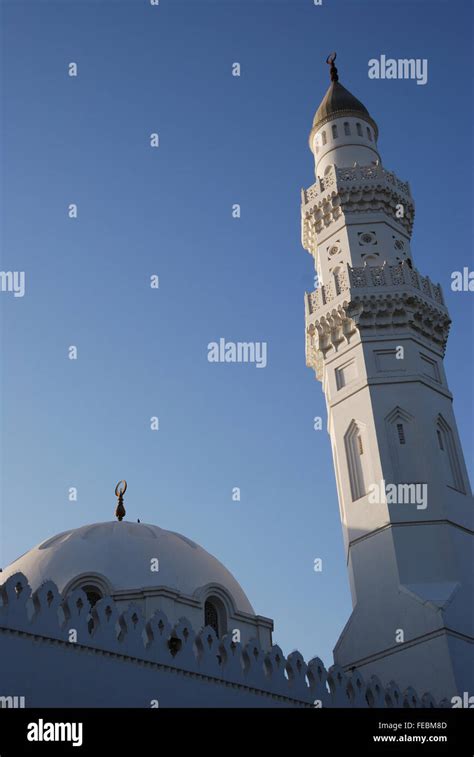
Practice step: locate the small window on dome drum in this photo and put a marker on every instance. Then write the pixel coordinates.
(211, 616)
(93, 595)
(323, 136)
(347, 128)
(359, 130)
(334, 131)
(369, 134)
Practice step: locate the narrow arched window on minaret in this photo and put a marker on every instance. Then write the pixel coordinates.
(357, 467)
(401, 433)
(337, 279)
(450, 463)
(376, 336)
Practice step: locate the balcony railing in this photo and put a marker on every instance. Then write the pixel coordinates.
(338, 177)
(374, 277)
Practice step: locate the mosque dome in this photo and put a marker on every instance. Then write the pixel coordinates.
(119, 555)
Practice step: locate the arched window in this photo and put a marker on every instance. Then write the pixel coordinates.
(323, 136)
(93, 595)
(337, 280)
(357, 460)
(211, 616)
(407, 465)
(359, 130)
(369, 134)
(334, 131)
(347, 128)
(401, 433)
(448, 454)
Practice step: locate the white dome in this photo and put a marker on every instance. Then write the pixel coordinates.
(121, 553)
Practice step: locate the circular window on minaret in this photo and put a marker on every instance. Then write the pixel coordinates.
(334, 249)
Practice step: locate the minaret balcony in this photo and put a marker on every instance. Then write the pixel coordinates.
(339, 177)
(357, 189)
(380, 299)
(371, 280)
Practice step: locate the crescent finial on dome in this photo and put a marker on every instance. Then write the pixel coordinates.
(333, 70)
(119, 492)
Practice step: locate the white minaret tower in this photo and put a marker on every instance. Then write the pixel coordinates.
(376, 332)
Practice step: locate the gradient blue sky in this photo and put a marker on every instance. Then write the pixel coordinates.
(142, 353)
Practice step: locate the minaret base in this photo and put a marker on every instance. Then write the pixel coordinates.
(412, 621)
(440, 663)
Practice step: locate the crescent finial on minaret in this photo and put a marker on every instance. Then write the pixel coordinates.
(119, 492)
(333, 70)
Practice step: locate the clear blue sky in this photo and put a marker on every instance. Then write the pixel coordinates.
(142, 353)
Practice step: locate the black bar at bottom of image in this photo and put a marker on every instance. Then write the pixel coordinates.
(84, 731)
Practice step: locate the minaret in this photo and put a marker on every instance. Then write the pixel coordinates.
(376, 332)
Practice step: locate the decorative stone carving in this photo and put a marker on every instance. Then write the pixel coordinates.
(403, 310)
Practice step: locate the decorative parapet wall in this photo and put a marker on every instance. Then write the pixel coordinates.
(353, 190)
(196, 669)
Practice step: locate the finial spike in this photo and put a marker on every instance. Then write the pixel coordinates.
(333, 70)
(119, 492)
